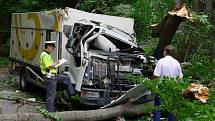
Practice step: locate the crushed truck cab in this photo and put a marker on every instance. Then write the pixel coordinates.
(101, 51)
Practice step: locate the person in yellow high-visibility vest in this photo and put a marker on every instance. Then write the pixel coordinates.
(48, 69)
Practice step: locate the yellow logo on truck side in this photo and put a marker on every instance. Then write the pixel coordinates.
(28, 54)
(37, 24)
(56, 25)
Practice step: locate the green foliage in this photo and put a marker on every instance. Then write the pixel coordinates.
(95, 6)
(201, 69)
(192, 39)
(170, 91)
(121, 10)
(8, 80)
(110, 7)
(76, 98)
(9, 6)
(147, 12)
(4, 62)
(150, 45)
(193, 45)
(54, 116)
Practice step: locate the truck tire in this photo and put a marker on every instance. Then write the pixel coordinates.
(24, 84)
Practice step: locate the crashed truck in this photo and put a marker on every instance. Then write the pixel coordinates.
(101, 51)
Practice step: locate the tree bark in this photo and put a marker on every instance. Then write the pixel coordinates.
(90, 115)
(167, 28)
(167, 34)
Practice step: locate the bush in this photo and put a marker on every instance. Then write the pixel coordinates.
(4, 62)
(201, 69)
(170, 92)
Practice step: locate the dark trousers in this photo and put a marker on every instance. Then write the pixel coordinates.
(51, 85)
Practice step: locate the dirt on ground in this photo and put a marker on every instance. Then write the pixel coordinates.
(12, 98)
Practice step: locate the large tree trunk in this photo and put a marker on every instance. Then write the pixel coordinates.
(167, 28)
(90, 115)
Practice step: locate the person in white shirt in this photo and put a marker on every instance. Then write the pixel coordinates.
(168, 66)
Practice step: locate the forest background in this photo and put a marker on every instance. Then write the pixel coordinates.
(194, 40)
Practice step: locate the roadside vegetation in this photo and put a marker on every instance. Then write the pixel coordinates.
(193, 42)
(4, 62)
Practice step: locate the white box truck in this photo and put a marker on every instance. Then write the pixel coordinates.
(101, 51)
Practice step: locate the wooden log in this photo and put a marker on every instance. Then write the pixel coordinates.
(88, 115)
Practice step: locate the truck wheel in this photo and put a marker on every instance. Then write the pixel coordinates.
(24, 84)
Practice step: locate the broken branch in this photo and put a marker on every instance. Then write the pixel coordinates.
(99, 114)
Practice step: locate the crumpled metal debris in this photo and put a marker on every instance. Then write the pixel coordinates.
(197, 91)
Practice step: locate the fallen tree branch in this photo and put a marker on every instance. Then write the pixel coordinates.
(99, 114)
(167, 28)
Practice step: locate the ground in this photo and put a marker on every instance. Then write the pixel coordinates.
(11, 94)
(10, 89)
